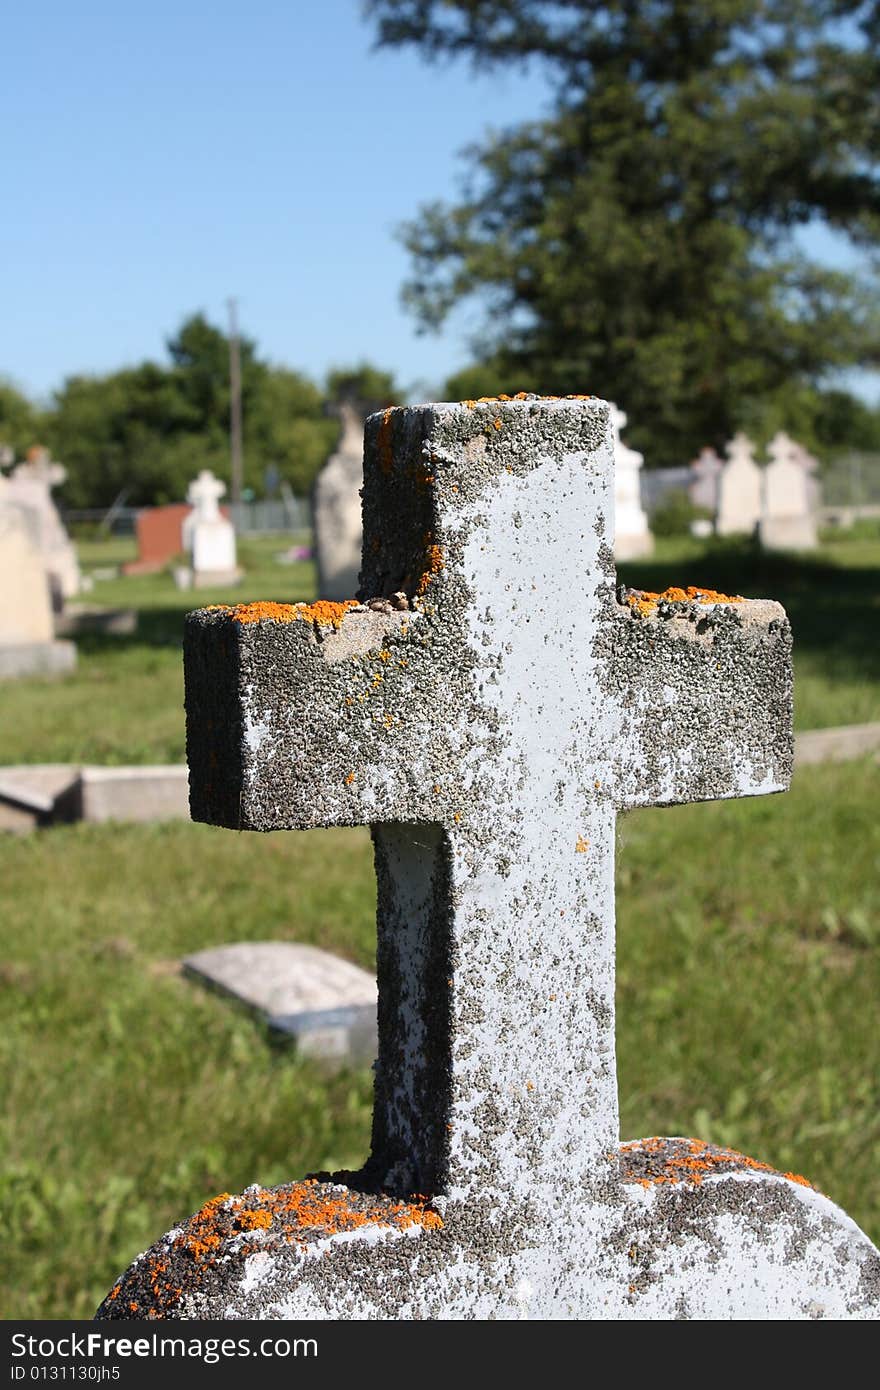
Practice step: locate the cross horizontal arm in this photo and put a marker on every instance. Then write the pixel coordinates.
(296, 721)
(704, 694)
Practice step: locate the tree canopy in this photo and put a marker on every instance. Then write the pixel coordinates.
(145, 431)
(639, 241)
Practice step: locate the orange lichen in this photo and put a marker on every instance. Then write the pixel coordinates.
(521, 396)
(383, 441)
(582, 845)
(690, 1161)
(433, 565)
(274, 1218)
(643, 602)
(325, 613)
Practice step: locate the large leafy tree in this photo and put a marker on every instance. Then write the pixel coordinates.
(638, 242)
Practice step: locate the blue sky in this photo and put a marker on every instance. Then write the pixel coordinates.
(157, 159)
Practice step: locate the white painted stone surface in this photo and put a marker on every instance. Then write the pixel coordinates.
(739, 490)
(336, 511)
(632, 535)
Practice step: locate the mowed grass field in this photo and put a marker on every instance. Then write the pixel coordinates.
(748, 953)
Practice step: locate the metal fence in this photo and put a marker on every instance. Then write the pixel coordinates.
(290, 514)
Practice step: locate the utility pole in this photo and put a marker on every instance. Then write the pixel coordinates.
(235, 446)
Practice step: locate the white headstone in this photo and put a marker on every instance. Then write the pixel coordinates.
(787, 522)
(209, 536)
(30, 485)
(336, 511)
(703, 490)
(632, 536)
(739, 489)
(26, 629)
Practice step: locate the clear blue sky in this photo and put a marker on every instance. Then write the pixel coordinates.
(157, 158)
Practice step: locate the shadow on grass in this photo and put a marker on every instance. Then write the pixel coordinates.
(833, 609)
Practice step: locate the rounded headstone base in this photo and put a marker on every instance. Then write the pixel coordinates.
(681, 1230)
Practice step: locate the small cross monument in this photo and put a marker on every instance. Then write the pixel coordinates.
(488, 710)
(208, 535)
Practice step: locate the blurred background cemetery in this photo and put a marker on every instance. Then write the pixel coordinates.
(626, 241)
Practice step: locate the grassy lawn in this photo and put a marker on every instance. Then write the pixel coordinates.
(749, 973)
(124, 704)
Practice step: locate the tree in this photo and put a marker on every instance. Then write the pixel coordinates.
(368, 387)
(21, 424)
(147, 430)
(639, 241)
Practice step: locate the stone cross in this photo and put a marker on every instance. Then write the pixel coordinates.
(490, 734)
(203, 494)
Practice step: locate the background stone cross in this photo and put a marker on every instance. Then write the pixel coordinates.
(490, 734)
(203, 494)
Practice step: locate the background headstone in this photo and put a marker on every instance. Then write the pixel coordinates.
(787, 522)
(208, 535)
(632, 536)
(739, 489)
(159, 532)
(26, 620)
(705, 471)
(336, 511)
(325, 1003)
(30, 486)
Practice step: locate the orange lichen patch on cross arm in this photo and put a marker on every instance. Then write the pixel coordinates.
(644, 603)
(325, 613)
(654, 1162)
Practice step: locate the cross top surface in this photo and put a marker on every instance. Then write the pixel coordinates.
(488, 716)
(204, 494)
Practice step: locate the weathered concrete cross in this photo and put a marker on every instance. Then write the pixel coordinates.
(490, 734)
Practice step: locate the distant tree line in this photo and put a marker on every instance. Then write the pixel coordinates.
(145, 431)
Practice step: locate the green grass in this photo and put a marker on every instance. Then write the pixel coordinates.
(124, 703)
(748, 979)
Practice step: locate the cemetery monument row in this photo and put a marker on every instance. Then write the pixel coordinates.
(489, 733)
